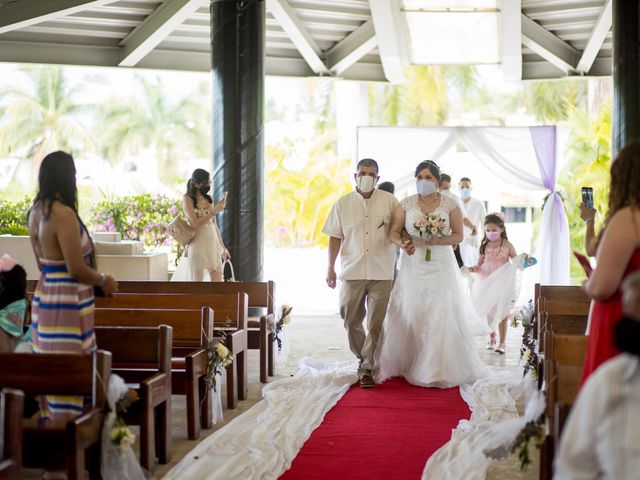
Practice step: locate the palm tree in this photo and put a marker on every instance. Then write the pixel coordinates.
(553, 101)
(42, 116)
(172, 131)
(425, 99)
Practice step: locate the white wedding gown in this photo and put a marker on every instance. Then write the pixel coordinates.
(428, 331)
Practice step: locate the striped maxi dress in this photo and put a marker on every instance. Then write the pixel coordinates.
(63, 322)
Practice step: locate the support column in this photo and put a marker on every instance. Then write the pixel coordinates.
(626, 73)
(237, 123)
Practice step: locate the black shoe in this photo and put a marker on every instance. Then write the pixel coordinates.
(366, 380)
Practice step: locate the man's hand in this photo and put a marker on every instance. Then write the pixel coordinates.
(331, 278)
(474, 231)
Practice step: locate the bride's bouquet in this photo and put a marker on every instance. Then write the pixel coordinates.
(428, 227)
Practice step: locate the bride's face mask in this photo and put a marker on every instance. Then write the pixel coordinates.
(425, 187)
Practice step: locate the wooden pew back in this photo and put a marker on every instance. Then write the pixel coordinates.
(57, 374)
(144, 347)
(230, 310)
(11, 411)
(191, 328)
(260, 294)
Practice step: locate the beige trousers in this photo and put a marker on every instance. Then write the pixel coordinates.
(354, 294)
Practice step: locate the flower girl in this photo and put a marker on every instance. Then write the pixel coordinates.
(495, 289)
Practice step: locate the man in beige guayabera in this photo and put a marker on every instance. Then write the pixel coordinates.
(358, 227)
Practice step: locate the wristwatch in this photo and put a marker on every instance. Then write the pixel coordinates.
(103, 280)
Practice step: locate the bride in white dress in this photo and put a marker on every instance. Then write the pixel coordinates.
(427, 337)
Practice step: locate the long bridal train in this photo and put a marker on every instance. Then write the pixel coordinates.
(263, 441)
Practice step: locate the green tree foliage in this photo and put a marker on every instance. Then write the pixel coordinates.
(171, 131)
(299, 199)
(13, 217)
(555, 101)
(42, 116)
(589, 162)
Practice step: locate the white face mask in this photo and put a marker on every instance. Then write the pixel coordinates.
(366, 183)
(425, 187)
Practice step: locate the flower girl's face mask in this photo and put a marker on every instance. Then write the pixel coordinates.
(493, 233)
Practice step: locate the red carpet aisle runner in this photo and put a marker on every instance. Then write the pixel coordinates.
(387, 432)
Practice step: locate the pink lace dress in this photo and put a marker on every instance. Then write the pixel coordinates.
(494, 257)
(497, 283)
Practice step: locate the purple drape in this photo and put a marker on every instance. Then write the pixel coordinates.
(544, 143)
(553, 241)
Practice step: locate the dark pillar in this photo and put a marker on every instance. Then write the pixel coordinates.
(237, 88)
(626, 73)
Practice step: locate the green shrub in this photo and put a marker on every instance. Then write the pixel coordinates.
(138, 217)
(13, 217)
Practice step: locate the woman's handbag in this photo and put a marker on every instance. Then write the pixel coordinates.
(227, 266)
(181, 231)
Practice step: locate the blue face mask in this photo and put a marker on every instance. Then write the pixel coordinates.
(465, 192)
(425, 187)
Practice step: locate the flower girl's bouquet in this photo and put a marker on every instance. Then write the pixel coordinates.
(428, 227)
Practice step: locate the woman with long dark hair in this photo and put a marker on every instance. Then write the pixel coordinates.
(62, 309)
(618, 256)
(206, 251)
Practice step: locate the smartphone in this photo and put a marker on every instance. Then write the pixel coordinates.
(587, 197)
(584, 262)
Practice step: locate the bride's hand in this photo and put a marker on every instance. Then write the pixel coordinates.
(408, 247)
(433, 241)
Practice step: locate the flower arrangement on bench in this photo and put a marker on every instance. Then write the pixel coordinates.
(285, 319)
(219, 357)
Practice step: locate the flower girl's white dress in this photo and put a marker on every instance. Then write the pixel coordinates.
(427, 333)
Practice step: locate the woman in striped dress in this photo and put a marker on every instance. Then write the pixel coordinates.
(62, 310)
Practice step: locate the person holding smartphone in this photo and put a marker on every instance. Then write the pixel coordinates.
(588, 214)
(618, 257)
(206, 251)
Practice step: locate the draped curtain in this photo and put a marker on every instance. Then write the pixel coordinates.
(521, 156)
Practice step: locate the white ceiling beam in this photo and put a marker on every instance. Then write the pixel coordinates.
(543, 70)
(155, 28)
(24, 13)
(391, 31)
(553, 49)
(510, 39)
(355, 46)
(298, 34)
(600, 30)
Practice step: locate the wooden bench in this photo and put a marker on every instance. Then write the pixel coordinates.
(11, 410)
(73, 445)
(261, 296)
(142, 357)
(192, 330)
(230, 312)
(563, 365)
(562, 309)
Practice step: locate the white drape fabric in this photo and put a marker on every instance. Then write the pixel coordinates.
(117, 463)
(262, 442)
(493, 426)
(522, 156)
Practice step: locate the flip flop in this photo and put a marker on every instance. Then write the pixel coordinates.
(530, 262)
